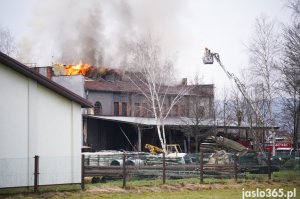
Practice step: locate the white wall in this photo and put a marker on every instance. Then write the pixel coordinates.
(37, 121)
(75, 83)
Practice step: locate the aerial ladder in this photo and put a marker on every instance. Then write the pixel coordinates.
(209, 59)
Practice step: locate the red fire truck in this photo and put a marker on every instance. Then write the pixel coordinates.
(281, 144)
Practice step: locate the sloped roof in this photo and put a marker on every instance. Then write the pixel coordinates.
(174, 121)
(125, 86)
(24, 70)
(116, 86)
(170, 121)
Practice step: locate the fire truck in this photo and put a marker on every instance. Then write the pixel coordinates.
(283, 146)
(281, 143)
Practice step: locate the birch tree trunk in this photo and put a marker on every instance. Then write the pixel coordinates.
(153, 77)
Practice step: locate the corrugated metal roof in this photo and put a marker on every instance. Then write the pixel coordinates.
(24, 70)
(172, 121)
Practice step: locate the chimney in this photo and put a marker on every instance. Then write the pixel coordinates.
(184, 81)
(45, 71)
(49, 72)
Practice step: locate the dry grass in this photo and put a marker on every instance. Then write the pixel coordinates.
(185, 188)
(180, 190)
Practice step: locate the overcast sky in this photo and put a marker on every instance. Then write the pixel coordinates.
(184, 27)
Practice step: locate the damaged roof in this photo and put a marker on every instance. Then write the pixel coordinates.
(126, 86)
(112, 86)
(24, 70)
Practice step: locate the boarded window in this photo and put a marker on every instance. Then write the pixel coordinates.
(124, 109)
(137, 111)
(98, 108)
(201, 111)
(183, 110)
(175, 110)
(144, 110)
(164, 109)
(116, 108)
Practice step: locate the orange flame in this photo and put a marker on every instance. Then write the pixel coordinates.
(79, 69)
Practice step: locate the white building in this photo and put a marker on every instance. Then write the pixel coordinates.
(37, 117)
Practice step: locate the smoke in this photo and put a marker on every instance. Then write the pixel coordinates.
(86, 43)
(98, 32)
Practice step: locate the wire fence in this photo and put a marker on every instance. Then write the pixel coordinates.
(101, 166)
(36, 171)
(132, 166)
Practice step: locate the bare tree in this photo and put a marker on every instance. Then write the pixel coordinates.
(294, 5)
(238, 106)
(7, 42)
(290, 69)
(154, 77)
(264, 50)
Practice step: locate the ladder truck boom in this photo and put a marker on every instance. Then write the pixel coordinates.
(209, 59)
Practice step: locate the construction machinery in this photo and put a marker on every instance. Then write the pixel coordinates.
(171, 148)
(153, 149)
(173, 155)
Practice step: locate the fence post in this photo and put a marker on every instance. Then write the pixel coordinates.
(164, 168)
(201, 167)
(235, 167)
(82, 172)
(269, 165)
(124, 169)
(36, 173)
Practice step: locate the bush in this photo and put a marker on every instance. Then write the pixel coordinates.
(291, 164)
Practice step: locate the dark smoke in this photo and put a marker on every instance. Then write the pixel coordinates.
(97, 31)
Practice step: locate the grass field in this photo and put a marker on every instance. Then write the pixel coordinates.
(180, 188)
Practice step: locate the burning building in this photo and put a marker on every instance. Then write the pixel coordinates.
(120, 111)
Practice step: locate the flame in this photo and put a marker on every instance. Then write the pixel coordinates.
(79, 69)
